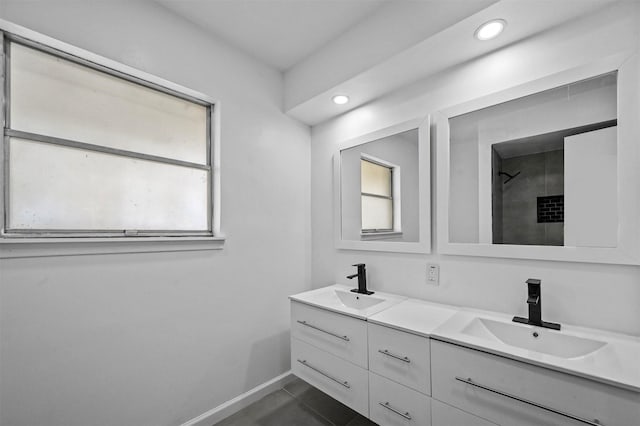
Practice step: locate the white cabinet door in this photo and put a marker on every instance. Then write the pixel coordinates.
(509, 392)
(400, 356)
(446, 415)
(391, 404)
(341, 335)
(334, 376)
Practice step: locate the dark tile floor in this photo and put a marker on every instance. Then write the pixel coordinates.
(297, 404)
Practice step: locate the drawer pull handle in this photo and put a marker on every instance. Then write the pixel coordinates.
(392, 355)
(468, 381)
(345, 338)
(340, 382)
(388, 406)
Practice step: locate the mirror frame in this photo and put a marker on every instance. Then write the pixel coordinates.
(423, 245)
(628, 144)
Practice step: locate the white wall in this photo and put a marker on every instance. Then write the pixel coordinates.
(160, 338)
(601, 296)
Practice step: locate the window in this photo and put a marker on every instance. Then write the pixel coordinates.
(93, 152)
(377, 182)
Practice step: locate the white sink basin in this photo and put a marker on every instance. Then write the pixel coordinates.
(356, 300)
(339, 298)
(532, 338)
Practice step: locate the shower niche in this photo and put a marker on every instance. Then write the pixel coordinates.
(545, 170)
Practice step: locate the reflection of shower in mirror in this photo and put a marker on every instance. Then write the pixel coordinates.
(509, 176)
(505, 157)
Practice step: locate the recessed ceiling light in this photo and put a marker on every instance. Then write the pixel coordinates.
(340, 99)
(490, 29)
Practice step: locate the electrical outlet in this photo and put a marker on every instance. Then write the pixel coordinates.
(433, 274)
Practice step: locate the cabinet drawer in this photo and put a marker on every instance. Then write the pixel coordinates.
(334, 376)
(400, 356)
(340, 335)
(446, 415)
(523, 385)
(391, 404)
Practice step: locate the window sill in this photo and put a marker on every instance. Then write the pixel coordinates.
(11, 248)
(366, 236)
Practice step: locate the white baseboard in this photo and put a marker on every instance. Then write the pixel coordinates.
(236, 404)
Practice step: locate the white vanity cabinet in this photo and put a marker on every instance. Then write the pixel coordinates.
(509, 392)
(411, 363)
(329, 351)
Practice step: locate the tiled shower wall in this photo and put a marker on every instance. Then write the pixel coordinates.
(540, 175)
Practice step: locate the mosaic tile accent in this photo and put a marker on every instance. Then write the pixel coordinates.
(551, 209)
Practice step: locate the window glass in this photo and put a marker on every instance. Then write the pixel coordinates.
(375, 179)
(93, 151)
(62, 188)
(56, 97)
(376, 183)
(377, 213)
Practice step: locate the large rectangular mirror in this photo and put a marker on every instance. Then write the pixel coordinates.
(546, 170)
(381, 190)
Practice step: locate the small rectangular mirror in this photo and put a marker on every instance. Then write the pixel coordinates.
(381, 185)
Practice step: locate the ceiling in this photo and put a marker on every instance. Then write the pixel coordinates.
(280, 33)
(366, 48)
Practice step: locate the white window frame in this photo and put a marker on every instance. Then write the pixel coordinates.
(30, 244)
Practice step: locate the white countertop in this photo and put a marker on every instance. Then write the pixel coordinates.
(415, 316)
(615, 362)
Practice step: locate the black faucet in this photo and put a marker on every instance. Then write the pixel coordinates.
(362, 279)
(535, 307)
